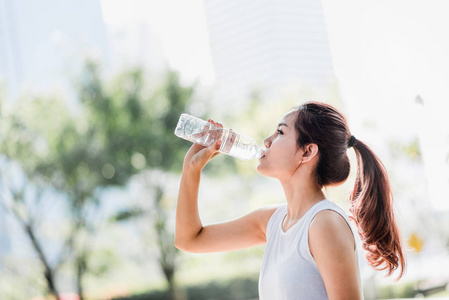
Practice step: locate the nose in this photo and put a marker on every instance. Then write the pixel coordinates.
(267, 142)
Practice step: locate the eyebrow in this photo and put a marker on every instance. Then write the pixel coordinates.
(282, 124)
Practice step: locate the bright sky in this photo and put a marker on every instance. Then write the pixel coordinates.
(384, 53)
(180, 26)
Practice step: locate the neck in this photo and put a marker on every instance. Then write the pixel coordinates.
(301, 195)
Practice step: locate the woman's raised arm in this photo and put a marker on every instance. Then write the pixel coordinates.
(191, 235)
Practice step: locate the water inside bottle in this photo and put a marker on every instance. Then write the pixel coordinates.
(244, 148)
(232, 143)
(206, 133)
(208, 137)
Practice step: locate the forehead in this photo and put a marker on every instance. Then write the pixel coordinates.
(289, 118)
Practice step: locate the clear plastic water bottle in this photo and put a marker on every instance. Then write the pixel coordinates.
(204, 133)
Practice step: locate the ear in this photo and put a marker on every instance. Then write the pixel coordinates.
(310, 152)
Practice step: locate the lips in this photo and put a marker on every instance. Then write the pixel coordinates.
(262, 154)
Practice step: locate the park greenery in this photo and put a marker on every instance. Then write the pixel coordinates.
(70, 153)
(63, 162)
(60, 157)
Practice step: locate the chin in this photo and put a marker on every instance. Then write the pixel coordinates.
(259, 169)
(263, 171)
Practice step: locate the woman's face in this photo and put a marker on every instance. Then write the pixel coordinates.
(281, 157)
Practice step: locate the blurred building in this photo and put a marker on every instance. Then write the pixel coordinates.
(267, 45)
(39, 40)
(135, 44)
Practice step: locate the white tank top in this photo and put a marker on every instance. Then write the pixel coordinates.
(289, 270)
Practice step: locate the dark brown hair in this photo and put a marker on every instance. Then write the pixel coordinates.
(371, 199)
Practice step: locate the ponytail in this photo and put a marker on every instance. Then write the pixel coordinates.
(371, 202)
(372, 210)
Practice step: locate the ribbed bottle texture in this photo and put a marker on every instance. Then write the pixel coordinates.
(204, 133)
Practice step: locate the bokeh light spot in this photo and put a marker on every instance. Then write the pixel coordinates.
(138, 161)
(108, 171)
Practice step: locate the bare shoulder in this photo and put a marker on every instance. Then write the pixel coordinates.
(329, 227)
(329, 218)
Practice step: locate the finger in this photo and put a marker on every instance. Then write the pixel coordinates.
(215, 123)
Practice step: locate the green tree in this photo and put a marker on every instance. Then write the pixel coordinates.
(24, 193)
(164, 152)
(127, 133)
(113, 133)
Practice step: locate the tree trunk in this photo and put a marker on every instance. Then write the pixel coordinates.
(169, 275)
(80, 270)
(173, 292)
(48, 273)
(167, 250)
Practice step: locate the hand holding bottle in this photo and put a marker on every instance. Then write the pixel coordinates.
(198, 155)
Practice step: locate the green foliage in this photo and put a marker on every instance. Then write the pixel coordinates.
(112, 133)
(135, 132)
(411, 150)
(127, 214)
(235, 289)
(102, 261)
(405, 290)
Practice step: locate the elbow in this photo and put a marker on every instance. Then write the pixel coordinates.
(186, 246)
(179, 244)
(187, 243)
(182, 245)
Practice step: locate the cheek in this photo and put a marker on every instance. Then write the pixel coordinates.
(285, 152)
(280, 160)
(288, 158)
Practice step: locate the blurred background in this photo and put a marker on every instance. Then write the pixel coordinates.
(90, 94)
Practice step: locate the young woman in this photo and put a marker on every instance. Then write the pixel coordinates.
(310, 251)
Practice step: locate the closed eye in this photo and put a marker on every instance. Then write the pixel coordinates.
(280, 132)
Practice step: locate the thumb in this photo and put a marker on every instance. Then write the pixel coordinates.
(214, 148)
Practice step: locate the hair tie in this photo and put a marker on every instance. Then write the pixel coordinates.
(351, 141)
